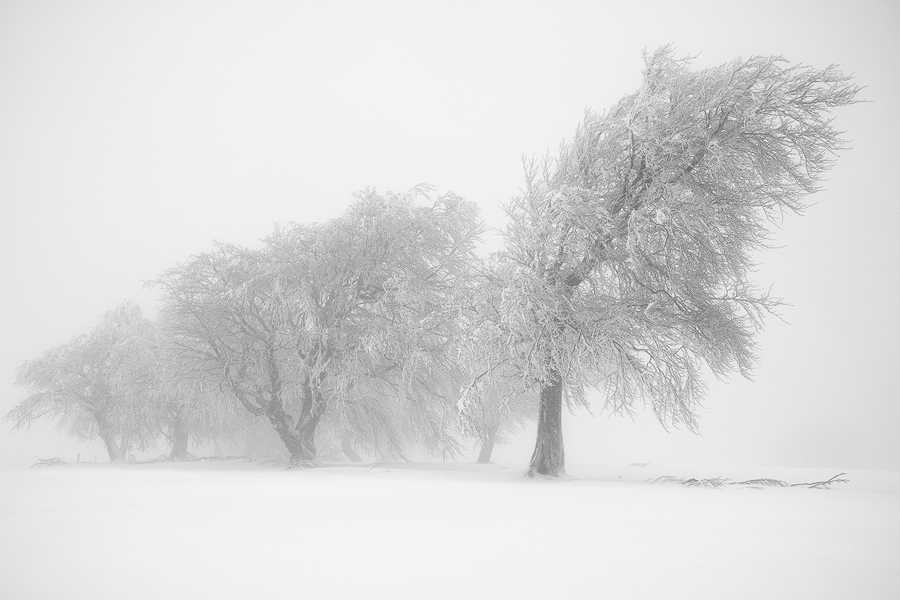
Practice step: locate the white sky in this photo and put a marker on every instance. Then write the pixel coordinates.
(132, 135)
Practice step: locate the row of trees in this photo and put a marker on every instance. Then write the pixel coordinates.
(625, 269)
(351, 326)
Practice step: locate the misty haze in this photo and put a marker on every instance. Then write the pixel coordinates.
(480, 300)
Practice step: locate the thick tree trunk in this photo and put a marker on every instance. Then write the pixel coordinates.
(549, 456)
(299, 439)
(347, 447)
(306, 433)
(115, 452)
(487, 445)
(180, 440)
(298, 445)
(311, 412)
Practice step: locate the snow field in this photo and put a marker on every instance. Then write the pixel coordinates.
(440, 530)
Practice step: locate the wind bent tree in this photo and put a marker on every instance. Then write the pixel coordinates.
(349, 320)
(98, 384)
(632, 249)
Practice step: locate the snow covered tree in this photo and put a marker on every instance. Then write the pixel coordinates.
(632, 248)
(347, 321)
(494, 409)
(221, 310)
(98, 384)
(193, 407)
(497, 401)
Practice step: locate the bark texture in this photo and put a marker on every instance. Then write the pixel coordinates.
(549, 456)
(109, 439)
(347, 447)
(311, 413)
(487, 446)
(181, 437)
(180, 442)
(300, 445)
(299, 438)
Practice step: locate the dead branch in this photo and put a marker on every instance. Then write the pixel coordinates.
(56, 460)
(763, 482)
(718, 482)
(822, 485)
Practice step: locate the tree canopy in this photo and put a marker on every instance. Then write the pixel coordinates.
(348, 321)
(633, 247)
(626, 269)
(98, 384)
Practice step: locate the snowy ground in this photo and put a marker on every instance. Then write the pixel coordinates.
(442, 530)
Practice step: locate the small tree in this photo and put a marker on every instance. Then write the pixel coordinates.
(98, 384)
(497, 401)
(632, 249)
(491, 410)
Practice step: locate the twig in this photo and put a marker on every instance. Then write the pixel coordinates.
(763, 482)
(295, 465)
(715, 482)
(56, 460)
(823, 485)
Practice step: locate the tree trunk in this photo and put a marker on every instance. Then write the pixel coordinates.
(306, 433)
(298, 446)
(487, 445)
(115, 452)
(347, 447)
(180, 439)
(300, 440)
(549, 456)
(311, 412)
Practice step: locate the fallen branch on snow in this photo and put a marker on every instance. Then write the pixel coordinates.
(719, 482)
(823, 485)
(297, 465)
(49, 462)
(715, 482)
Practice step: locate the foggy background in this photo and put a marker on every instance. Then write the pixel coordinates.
(133, 135)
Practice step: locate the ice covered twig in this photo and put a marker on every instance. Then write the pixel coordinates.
(56, 460)
(822, 485)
